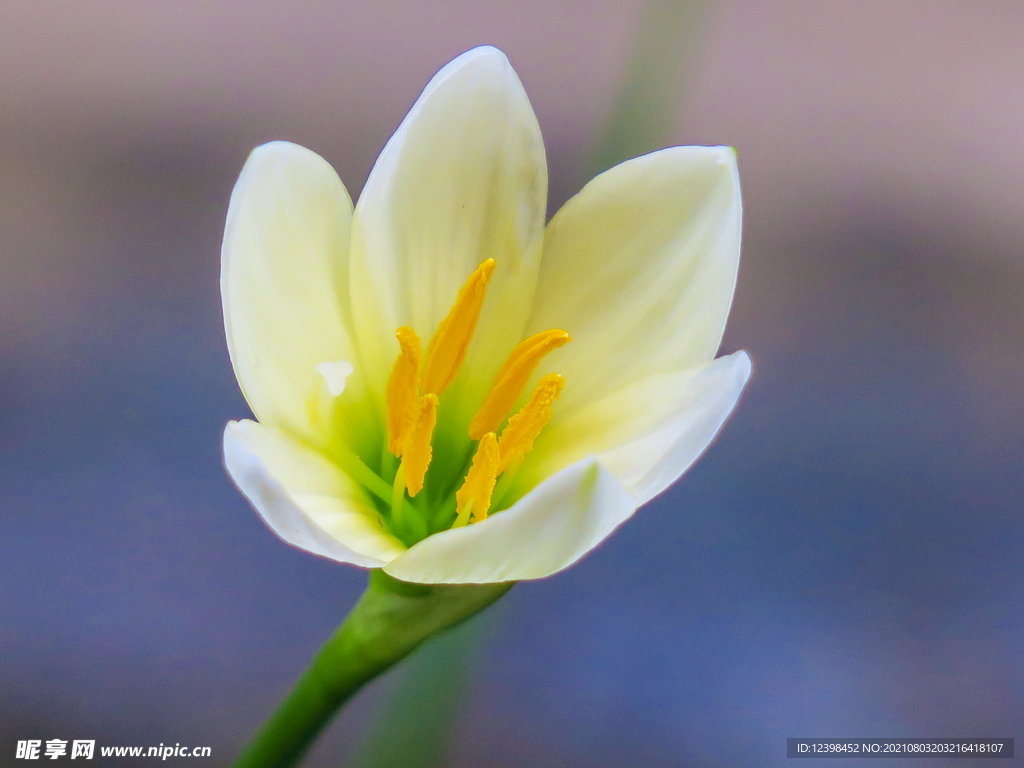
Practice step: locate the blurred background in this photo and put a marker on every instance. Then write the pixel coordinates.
(846, 560)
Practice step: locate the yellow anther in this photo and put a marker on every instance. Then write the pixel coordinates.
(473, 499)
(447, 348)
(512, 378)
(402, 389)
(522, 429)
(416, 452)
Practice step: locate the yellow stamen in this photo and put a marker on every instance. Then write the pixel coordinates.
(474, 497)
(522, 429)
(416, 452)
(512, 378)
(402, 389)
(450, 342)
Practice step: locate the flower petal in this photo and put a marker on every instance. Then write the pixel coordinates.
(640, 268)
(462, 180)
(547, 530)
(283, 268)
(304, 498)
(648, 433)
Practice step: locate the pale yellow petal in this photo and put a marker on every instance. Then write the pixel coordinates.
(648, 433)
(283, 271)
(462, 180)
(640, 268)
(304, 498)
(547, 530)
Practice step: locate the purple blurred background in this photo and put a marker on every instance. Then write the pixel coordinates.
(847, 560)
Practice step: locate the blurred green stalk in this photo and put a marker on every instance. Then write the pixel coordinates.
(416, 723)
(666, 48)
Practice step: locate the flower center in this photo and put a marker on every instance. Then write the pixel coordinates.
(417, 383)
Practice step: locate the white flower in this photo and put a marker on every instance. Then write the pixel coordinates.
(448, 243)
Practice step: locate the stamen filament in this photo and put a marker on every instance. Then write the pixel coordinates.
(355, 468)
(450, 342)
(522, 429)
(462, 518)
(397, 497)
(402, 389)
(416, 452)
(473, 499)
(511, 380)
(504, 484)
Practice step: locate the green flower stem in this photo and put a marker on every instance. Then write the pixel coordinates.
(390, 620)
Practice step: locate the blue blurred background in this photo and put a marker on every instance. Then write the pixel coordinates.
(846, 560)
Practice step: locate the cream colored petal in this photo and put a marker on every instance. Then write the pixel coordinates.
(283, 269)
(547, 530)
(649, 433)
(649, 465)
(640, 268)
(462, 180)
(304, 498)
